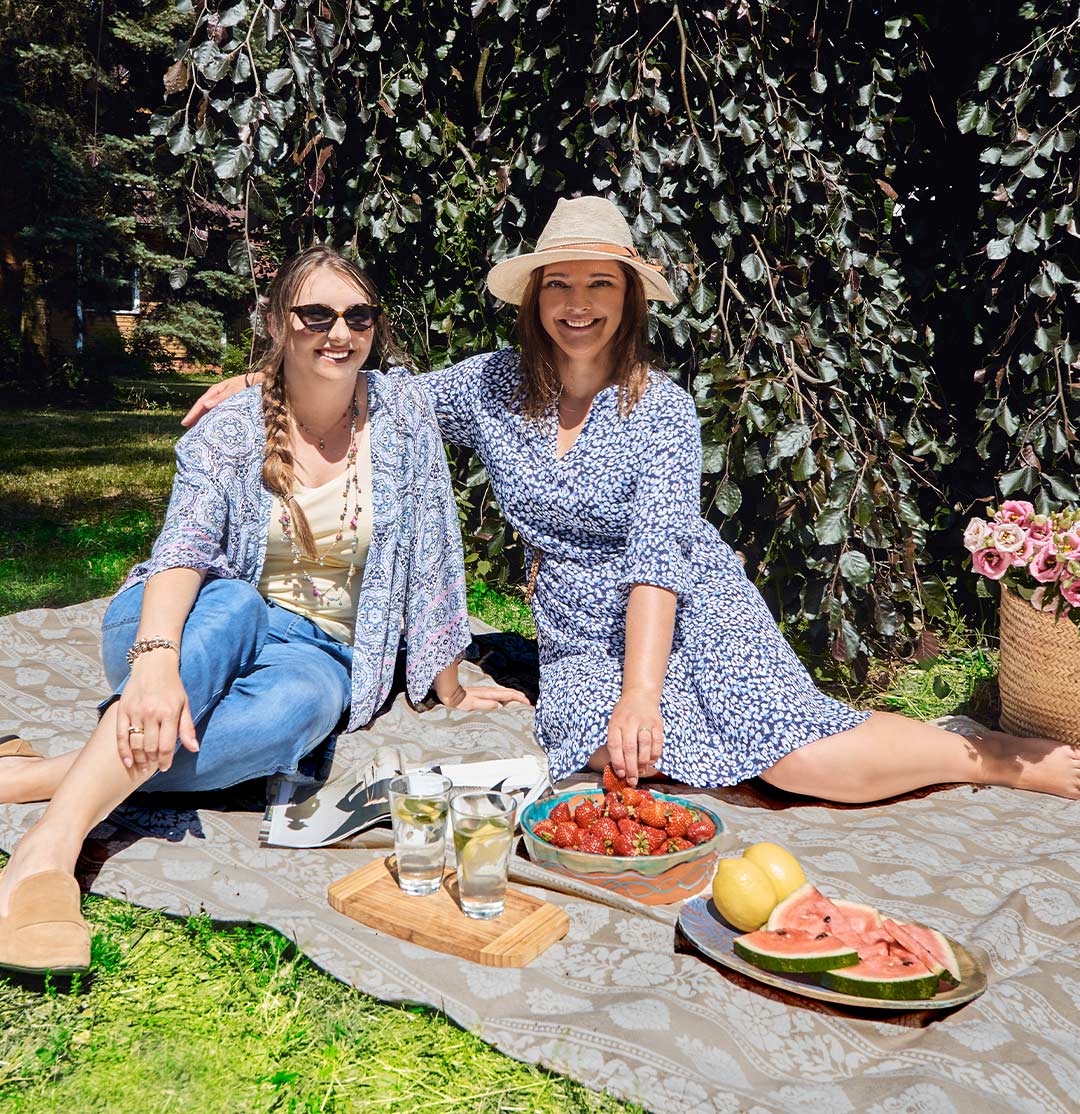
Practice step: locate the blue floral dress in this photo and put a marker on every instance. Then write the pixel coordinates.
(623, 507)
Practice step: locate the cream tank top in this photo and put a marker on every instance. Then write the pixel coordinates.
(282, 580)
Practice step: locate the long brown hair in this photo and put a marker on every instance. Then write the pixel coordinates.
(278, 464)
(631, 356)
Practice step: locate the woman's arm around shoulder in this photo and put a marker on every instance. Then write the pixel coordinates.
(456, 392)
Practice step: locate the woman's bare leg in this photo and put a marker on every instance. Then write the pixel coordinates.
(96, 782)
(33, 779)
(889, 754)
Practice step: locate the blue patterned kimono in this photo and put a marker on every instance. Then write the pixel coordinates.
(413, 585)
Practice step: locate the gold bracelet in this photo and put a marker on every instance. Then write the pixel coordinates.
(145, 645)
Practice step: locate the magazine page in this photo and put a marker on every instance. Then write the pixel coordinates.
(318, 816)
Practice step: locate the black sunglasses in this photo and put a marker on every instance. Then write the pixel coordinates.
(321, 319)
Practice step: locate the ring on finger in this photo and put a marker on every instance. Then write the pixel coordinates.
(136, 731)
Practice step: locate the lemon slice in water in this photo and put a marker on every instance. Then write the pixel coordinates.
(485, 848)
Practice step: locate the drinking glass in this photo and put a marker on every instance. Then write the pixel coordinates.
(483, 825)
(418, 807)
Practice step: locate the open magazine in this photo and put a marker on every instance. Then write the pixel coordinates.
(316, 816)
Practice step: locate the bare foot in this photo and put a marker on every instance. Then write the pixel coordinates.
(25, 780)
(1041, 765)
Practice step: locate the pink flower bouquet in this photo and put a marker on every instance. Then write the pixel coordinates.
(1035, 555)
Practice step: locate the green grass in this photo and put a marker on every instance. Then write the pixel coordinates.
(183, 1017)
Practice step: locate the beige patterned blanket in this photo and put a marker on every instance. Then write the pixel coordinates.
(998, 870)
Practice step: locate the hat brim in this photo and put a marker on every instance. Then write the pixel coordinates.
(508, 280)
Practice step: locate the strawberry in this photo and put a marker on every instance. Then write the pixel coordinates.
(585, 814)
(677, 827)
(644, 795)
(611, 782)
(628, 826)
(640, 841)
(560, 814)
(624, 845)
(671, 845)
(605, 828)
(616, 809)
(648, 812)
(700, 831)
(591, 842)
(629, 797)
(544, 829)
(656, 837)
(566, 835)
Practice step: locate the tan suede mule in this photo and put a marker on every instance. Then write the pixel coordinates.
(11, 746)
(44, 928)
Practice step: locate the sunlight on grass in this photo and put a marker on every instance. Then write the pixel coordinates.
(181, 1016)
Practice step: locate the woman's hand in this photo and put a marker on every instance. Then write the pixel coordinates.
(154, 701)
(635, 736)
(483, 698)
(217, 394)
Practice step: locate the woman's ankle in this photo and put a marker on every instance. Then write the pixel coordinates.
(41, 848)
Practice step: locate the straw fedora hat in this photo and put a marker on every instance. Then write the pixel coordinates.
(580, 228)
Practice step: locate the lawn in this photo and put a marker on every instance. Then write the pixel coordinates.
(183, 1016)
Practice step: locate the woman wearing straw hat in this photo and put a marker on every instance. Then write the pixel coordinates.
(656, 651)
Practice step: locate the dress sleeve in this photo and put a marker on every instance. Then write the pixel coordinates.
(453, 394)
(194, 530)
(667, 501)
(436, 616)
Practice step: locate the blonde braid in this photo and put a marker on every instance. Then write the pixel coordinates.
(277, 473)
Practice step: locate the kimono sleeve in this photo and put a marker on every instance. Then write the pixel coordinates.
(436, 616)
(666, 505)
(194, 530)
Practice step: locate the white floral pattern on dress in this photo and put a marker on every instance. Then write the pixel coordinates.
(623, 507)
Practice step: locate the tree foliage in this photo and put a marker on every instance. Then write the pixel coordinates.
(759, 151)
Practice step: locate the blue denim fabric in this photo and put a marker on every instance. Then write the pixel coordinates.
(265, 685)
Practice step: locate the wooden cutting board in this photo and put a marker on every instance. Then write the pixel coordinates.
(526, 928)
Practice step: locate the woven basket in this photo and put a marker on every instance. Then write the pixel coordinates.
(1040, 672)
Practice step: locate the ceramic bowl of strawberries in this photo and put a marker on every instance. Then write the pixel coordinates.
(652, 847)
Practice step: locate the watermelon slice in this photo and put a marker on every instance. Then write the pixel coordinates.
(858, 918)
(806, 910)
(927, 945)
(888, 976)
(794, 952)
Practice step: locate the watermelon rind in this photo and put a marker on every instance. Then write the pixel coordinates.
(820, 955)
(906, 989)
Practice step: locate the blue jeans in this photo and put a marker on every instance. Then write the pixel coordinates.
(265, 685)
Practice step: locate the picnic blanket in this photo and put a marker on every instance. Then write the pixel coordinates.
(997, 869)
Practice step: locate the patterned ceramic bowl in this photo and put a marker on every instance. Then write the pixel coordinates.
(650, 879)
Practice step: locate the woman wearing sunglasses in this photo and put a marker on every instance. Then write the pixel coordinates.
(311, 524)
(656, 651)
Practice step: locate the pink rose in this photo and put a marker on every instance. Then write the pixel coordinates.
(1017, 511)
(1008, 537)
(991, 562)
(976, 534)
(1024, 554)
(1045, 566)
(1071, 592)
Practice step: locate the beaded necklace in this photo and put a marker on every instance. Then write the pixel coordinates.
(337, 595)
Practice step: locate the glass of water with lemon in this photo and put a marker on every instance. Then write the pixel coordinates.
(418, 808)
(483, 825)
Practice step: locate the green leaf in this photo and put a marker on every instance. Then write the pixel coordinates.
(818, 82)
(333, 127)
(805, 465)
(752, 267)
(967, 116)
(239, 258)
(855, 568)
(230, 161)
(276, 80)
(728, 498)
(791, 439)
(752, 210)
(1022, 479)
(1025, 239)
(1063, 489)
(998, 249)
(832, 526)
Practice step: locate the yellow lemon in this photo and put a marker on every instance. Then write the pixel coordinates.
(743, 893)
(780, 867)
